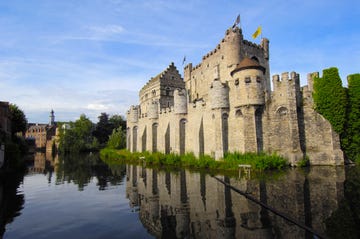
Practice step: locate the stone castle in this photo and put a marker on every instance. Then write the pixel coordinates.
(226, 104)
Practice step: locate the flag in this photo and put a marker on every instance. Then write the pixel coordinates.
(257, 32)
(184, 60)
(237, 21)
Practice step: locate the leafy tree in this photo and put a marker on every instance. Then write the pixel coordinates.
(18, 120)
(117, 139)
(352, 131)
(77, 137)
(103, 128)
(118, 121)
(330, 98)
(106, 125)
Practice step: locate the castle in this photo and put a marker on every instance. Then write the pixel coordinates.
(226, 104)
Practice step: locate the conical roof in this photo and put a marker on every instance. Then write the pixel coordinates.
(248, 63)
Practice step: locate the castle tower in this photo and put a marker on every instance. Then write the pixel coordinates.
(52, 118)
(249, 84)
(180, 101)
(232, 46)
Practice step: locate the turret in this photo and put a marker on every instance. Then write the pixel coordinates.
(52, 118)
(153, 110)
(249, 83)
(219, 95)
(232, 45)
(180, 102)
(134, 114)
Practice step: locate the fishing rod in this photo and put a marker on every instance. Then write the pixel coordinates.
(273, 210)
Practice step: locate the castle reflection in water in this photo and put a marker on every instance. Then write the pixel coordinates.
(193, 205)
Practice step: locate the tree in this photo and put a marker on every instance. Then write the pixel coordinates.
(118, 121)
(106, 125)
(330, 98)
(117, 139)
(352, 131)
(78, 137)
(103, 128)
(18, 120)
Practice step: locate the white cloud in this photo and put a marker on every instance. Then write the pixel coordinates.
(97, 106)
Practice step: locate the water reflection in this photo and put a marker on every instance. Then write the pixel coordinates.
(188, 204)
(11, 201)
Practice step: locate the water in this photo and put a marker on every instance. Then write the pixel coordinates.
(84, 198)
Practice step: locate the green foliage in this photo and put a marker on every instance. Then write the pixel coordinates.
(78, 137)
(105, 127)
(351, 137)
(18, 119)
(330, 98)
(117, 121)
(304, 162)
(230, 162)
(117, 140)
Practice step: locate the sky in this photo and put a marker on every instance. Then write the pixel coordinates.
(92, 56)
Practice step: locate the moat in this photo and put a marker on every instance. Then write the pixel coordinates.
(81, 197)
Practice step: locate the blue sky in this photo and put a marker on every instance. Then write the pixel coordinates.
(93, 56)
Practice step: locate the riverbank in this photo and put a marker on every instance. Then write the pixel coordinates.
(231, 161)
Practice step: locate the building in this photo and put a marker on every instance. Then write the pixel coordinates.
(226, 104)
(5, 121)
(42, 134)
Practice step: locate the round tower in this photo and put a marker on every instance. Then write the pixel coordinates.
(249, 79)
(180, 101)
(153, 112)
(219, 95)
(231, 46)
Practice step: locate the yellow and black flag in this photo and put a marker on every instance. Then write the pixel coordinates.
(257, 32)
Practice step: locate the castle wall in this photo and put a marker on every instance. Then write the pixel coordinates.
(322, 142)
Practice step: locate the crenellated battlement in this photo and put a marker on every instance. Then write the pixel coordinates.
(251, 44)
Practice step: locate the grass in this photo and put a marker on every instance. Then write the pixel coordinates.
(230, 162)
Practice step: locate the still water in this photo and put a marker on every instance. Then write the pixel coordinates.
(81, 197)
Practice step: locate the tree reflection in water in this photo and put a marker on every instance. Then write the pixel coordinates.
(81, 168)
(11, 201)
(194, 205)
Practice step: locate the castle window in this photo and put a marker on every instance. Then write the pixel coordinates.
(258, 79)
(153, 92)
(172, 77)
(247, 79)
(236, 82)
(282, 111)
(255, 59)
(168, 91)
(238, 113)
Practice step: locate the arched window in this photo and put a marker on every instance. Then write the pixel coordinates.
(282, 111)
(255, 59)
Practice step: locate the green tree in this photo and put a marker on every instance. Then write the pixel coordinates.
(77, 137)
(117, 139)
(330, 98)
(103, 128)
(352, 131)
(18, 120)
(118, 121)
